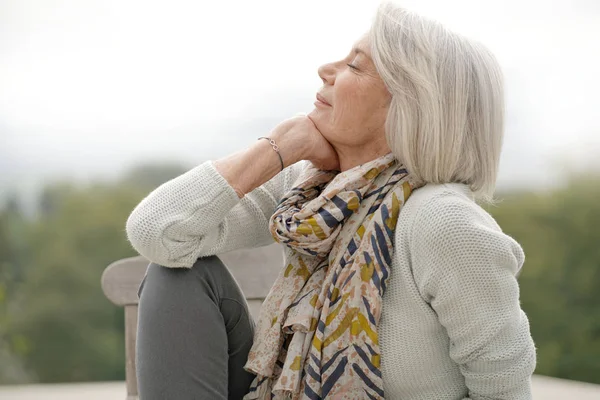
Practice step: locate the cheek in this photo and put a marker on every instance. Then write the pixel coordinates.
(335, 122)
(349, 98)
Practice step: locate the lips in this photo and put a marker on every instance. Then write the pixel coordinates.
(322, 99)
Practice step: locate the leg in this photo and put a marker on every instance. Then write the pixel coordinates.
(194, 334)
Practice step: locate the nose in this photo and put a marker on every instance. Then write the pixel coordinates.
(327, 73)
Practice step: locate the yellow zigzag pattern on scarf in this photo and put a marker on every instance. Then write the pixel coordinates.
(354, 320)
(311, 226)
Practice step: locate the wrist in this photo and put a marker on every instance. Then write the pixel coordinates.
(275, 148)
(290, 150)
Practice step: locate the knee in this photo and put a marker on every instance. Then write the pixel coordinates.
(206, 274)
(203, 266)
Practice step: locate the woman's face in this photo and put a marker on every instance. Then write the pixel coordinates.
(356, 100)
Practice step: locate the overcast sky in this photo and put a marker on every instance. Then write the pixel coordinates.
(91, 87)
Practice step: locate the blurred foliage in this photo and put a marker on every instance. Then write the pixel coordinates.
(560, 233)
(57, 326)
(55, 321)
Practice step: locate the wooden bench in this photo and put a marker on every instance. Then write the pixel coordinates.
(254, 269)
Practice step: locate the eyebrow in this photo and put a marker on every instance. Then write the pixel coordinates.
(358, 50)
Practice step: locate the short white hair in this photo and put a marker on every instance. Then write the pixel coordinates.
(446, 116)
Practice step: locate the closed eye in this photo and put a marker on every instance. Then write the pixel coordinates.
(351, 66)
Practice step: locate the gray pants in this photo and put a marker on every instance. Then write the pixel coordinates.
(194, 334)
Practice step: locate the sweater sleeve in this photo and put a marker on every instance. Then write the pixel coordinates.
(465, 268)
(199, 214)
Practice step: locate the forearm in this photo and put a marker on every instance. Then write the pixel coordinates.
(198, 214)
(250, 168)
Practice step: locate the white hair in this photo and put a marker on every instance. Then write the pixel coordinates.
(446, 117)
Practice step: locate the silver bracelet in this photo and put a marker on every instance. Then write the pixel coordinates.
(275, 147)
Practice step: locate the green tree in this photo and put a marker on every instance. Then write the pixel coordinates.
(67, 329)
(12, 369)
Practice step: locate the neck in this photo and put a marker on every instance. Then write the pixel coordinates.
(352, 156)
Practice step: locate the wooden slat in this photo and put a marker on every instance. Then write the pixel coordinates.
(254, 307)
(131, 320)
(121, 280)
(255, 269)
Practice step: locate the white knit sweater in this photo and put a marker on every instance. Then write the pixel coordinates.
(451, 327)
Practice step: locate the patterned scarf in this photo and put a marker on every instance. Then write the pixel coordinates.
(317, 335)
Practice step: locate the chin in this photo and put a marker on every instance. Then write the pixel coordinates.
(316, 116)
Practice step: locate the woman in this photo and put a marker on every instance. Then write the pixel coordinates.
(396, 284)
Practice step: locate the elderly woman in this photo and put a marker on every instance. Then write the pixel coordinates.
(396, 284)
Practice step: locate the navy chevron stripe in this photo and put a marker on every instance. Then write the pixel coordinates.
(382, 240)
(377, 203)
(258, 383)
(335, 375)
(382, 272)
(368, 308)
(352, 246)
(375, 246)
(323, 265)
(375, 276)
(370, 395)
(336, 273)
(384, 277)
(321, 326)
(373, 193)
(308, 392)
(310, 370)
(329, 219)
(383, 268)
(316, 361)
(350, 275)
(328, 364)
(385, 189)
(334, 302)
(391, 182)
(370, 349)
(367, 361)
(373, 208)
(400, 171)
(300, 299)
(385, 214)
(342, 205)
(378, 257)
(366, 380)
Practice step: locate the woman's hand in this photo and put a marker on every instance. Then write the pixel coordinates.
(299, 139)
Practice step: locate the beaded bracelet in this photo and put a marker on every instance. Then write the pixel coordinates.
(275, 147)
